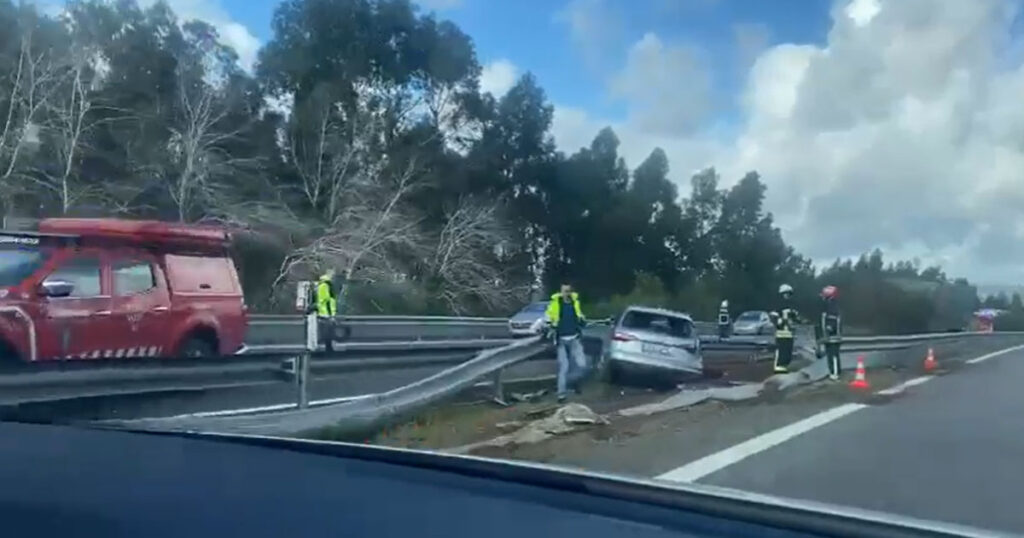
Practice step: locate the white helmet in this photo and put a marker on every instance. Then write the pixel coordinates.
(785, 288)
(725, 304)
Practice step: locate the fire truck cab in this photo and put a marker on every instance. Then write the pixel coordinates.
(109, 288)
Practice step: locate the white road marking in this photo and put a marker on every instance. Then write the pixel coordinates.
(905, 385)
(976, 360)
(268, 408)
(700, 468)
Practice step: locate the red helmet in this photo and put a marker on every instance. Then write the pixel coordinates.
(830, 292)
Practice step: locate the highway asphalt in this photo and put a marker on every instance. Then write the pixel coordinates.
(949, 449)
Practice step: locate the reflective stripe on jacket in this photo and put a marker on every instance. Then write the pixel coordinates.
(831, 328)
(785, 322)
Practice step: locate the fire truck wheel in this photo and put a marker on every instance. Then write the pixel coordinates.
(8, 355)
(196, 347)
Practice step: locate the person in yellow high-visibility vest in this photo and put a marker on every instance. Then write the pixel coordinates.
(326, 308)
(565, 316)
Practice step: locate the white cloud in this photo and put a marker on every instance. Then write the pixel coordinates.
(862, 11)
(231, 32)
(751, 39)
(498, 77)
(594, 26)
(904, 131)
(667, 87)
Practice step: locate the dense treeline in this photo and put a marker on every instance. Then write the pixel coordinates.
(361, 141)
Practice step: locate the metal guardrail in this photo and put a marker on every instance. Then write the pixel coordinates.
(277, 330)
(372, 411)
(295, 319)
(365, 413)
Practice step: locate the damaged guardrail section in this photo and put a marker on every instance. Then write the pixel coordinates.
(366, 414)
(360, 415)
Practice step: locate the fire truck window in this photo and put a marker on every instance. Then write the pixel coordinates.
(133, 277)
(84, 273)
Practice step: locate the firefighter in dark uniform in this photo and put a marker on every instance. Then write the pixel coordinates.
(785, 320)
(829, 331)
(723, 320)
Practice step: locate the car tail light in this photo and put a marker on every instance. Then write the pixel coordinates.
(623, 337)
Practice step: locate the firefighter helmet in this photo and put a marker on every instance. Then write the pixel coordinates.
(829, 292)
(785, 289)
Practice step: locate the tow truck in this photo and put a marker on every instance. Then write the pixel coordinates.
(113, 288)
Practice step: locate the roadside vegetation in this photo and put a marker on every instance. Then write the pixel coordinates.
(359, 139)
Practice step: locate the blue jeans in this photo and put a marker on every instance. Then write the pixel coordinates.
(572, 363)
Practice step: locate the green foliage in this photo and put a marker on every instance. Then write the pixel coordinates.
(648, 291)
(387, 163)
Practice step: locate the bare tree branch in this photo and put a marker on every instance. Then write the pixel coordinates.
(467, 259)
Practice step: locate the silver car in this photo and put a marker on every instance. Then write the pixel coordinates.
(653, 340)
(753, 322)
(521, 324)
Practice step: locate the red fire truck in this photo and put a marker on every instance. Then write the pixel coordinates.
(109, 288)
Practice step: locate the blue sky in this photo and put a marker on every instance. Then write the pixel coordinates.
(874, 123)
(538, 36)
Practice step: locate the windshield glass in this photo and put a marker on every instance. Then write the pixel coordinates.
(396, 176)
(535, 308)
(18, 262)
(657, 323)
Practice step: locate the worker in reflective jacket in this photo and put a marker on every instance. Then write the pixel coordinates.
(785, 320)
(723, 320)
(326, 308)
(830, 332)
(566, 318)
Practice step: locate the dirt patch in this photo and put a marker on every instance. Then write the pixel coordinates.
(611, 447)
(460, 424)
(479, 419)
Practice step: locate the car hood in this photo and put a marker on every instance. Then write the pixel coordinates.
(526, 316)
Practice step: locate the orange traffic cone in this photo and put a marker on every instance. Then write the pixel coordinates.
(861, 381)
(929, 362)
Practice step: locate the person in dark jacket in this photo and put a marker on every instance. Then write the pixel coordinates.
(723, 320)
(785, 320)
(566, 318)
(830, 330)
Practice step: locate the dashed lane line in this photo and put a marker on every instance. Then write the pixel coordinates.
(988, 356)
(702, 467)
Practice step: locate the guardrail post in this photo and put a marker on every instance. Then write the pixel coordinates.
(302, 381)
(499, 389)
(302, 362)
